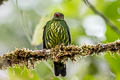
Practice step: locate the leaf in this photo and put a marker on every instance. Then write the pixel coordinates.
(113, 60)
(111, 35)
(71, 7)
(22, 73)
(88, 77)
(112, 10)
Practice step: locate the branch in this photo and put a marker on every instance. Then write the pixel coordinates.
(59, 53)
(111, 25)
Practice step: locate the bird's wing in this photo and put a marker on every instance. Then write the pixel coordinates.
(68, 30)
(44, 31)
(44, 35)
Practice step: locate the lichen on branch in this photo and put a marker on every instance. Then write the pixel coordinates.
(59, 53)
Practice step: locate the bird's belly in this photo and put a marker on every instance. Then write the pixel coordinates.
(56, 37)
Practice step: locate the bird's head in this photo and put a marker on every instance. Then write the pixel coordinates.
(58, 15)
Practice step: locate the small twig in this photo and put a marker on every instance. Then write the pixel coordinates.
(59, 53)
(111, 25)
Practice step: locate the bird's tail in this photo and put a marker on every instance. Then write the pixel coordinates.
(59, 68)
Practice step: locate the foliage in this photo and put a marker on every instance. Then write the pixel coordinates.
(22, 74)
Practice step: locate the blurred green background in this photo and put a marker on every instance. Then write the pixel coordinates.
(21, 26)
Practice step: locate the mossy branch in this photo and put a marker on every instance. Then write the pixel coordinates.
(59, 53)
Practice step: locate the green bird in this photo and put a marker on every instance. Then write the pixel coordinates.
(56, 32)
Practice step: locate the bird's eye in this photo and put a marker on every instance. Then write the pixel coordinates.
(57, 15)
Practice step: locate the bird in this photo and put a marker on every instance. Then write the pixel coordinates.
(56, 32)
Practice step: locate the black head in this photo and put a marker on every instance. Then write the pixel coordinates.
(58, 15)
